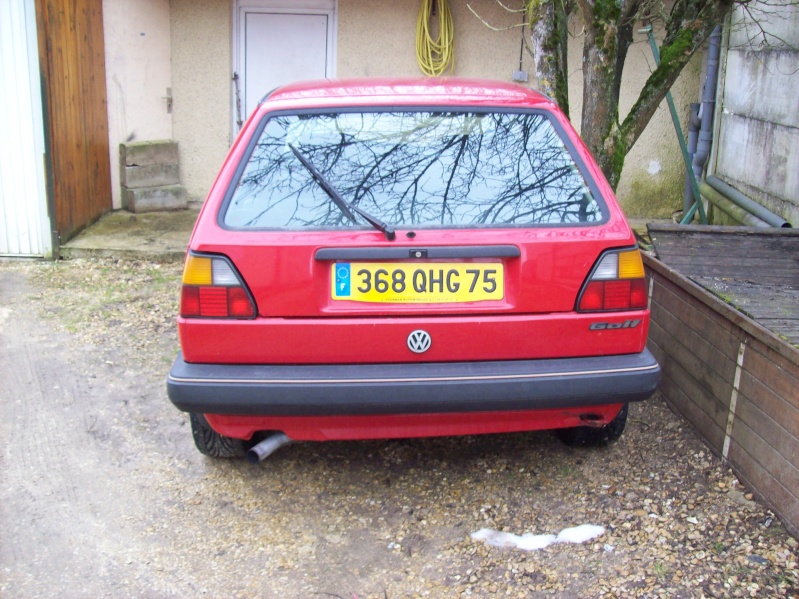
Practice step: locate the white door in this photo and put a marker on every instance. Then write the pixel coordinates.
(280, 42)
(24, 222)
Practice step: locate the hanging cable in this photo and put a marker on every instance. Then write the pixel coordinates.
(435, 55)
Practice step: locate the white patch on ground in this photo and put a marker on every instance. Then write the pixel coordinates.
(531, 542)
(4, 314)
(654, 167)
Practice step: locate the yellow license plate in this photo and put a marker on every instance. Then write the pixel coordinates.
(429, 283)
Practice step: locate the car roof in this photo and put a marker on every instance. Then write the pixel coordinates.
(407, 91)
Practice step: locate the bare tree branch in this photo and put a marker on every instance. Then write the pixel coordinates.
(489, 25)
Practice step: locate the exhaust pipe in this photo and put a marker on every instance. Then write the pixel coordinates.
(593, 420)
(267, 447)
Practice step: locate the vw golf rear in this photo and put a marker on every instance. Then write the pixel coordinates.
(403, 258)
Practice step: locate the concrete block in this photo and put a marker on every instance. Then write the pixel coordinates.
(143, 153)
(150, 175)
(150, 199)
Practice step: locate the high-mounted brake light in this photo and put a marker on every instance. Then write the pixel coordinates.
(213, 289)
(617, 283)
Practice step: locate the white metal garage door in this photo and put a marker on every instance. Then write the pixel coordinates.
(24, 222)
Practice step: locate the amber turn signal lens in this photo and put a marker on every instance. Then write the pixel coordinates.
(630, 265)
(197, 271)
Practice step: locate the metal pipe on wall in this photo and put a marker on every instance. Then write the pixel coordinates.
(730, 208)
(747, 203)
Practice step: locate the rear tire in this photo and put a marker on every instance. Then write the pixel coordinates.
(588, 436)
(211, 443)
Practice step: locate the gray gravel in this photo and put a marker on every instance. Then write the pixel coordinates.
(104, 495)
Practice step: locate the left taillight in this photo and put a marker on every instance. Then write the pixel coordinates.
(213, 289)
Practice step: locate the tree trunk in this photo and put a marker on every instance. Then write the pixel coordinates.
(608, 35)
(600, 103)
(607, 38)
(609, 27)
(549, 26)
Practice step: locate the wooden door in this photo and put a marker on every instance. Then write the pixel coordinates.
(72, 59)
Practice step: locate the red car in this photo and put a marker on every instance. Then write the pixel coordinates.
(400, 258)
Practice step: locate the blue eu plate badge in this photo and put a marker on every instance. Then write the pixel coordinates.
(342, 280)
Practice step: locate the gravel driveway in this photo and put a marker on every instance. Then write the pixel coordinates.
(104, 495)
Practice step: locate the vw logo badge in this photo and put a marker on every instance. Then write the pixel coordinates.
(419, 341)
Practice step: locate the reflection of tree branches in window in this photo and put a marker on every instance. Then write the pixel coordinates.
(444, 208)
(413, 168)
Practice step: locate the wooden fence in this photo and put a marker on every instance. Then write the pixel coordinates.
(735, 381)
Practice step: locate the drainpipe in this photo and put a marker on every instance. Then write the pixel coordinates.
(708, 103)
(693, 138)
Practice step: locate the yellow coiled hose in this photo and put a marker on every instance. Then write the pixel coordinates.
(435, 55)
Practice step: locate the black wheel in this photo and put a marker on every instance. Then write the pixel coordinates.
(211, 443)
(588, 436)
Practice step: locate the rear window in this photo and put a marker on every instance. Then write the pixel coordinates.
(410, 168)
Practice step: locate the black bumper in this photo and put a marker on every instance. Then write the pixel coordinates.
(331, 390)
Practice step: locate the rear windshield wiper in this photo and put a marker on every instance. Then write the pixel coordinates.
(345, 206)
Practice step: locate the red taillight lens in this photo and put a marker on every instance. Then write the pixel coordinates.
(593, 296)
(190, 301)
(617, 295)
(639, 298)
(238, 303)
(213, 301)
(617, 283)
(212, 289)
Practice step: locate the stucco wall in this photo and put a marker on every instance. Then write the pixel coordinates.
(137, 68)
(758, 129)
(377, 38)
(653, 177)
(201, 83)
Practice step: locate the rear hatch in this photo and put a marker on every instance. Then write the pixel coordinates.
(353, 228)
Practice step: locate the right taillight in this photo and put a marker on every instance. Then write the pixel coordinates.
(616, 283)
(213, 289)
